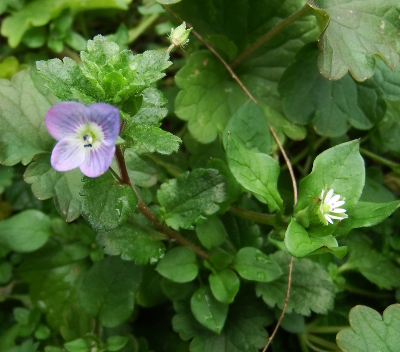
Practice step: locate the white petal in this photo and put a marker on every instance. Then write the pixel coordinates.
(338, 204)
(328, 196)
(334, 199)
(336, 217)
(338, 210)
(328, 218)
(322, 194)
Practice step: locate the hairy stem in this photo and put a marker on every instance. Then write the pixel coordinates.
(323, 342)
(145, 23)
(394, 166)
(266, 219)
(304, 11)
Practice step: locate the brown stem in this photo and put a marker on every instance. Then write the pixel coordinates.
(172, 234)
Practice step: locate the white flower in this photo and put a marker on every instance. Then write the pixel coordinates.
(329, 208)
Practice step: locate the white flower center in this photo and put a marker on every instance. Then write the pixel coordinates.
(91, 135)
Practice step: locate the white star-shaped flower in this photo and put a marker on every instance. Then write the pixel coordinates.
(329, 208)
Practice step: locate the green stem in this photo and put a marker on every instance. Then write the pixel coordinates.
(325, 329)
(172, 234)
(322, 342)
(266, 219)
(362, 292)
(304, 11)
(157, 235)
(394, 166)
(302, 342)
(82, 25)
(344, 268)
(145, 23)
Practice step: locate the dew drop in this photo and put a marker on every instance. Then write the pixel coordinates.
(261, 276)
(351, 11)
(338, 17)
(382, 25)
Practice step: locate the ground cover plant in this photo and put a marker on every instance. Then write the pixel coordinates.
(205, 176)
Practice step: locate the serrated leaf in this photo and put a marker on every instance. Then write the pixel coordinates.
(108, 290)
(375, 266)
(18, 141)
(212, 233)
(40, 12)
(355, 33)
(207, 310)
(178, 265)
(132, 243)
(26, 231)
(142, 169)
(256, 172)
(370, 331)
(106, 204)
(151, 139)
(224, 285)
(191, 197)
(330, 105)
(300, 244)
(311, 288)
(252, 264)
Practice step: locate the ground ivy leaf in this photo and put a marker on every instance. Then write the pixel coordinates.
(207, 310)
(300, 244)
(191, 197)
(375, 266)
(26, 231)
(212, 233)
(244, 329)
(355, 33)
(340, 168)
(370, 331)
(132, 243)
(151, 139)
(106, 204)
(224, 285)
(108, 290)
(256, 172)
(19, 141)
(252, 264)
(311, 288)
(330, 105)
(178, 265)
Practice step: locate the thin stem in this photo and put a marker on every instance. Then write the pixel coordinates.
(322, 342)
(266, 219)
(325, 329)
(115, 175)
(138, 30)
(284, 306)
(394, 166)
(315, 348)
(304, 11)
(172, 234)
(362, 292)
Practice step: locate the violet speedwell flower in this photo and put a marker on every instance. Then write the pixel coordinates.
(329, 208)
(86, 136)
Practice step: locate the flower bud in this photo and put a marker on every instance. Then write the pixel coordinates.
(179, 35)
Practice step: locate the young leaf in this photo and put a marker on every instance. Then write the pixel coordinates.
(252, 264)
(212, 233)
(256, 172)
(207, 310)
(311, 288)
(330, 105)
(178, 265)
(224, 285)
(300, 244)
(106, 204)
(26, 231)
(367, 28)
(108, 290)
(19, 140)
(370, 331)
(115, 343)
(132, 243)
(191, 197)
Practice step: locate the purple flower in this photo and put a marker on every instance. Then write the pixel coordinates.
(86, 136)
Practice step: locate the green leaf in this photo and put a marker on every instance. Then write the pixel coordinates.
(340, 168)
(106, 204)
(191, 197)
(293, 323)
(256, 172)
(6, 176)
(385, 81)
(224, 285)
(19, 141)
(252, 264)
(178, 265)
(132, 243)
(244, 329)
(330, 105)
(63, 186)
(250, 127)
(115, 343)
(26, 231)
(108, 290)
(375, 266)
(389, 127)
(40, 12)
(300, 244)
(78, 345)
(311, 287)
(151, 139)
(5, 272)
(354, 33)
(212, 233)
(142, 169)
(207, 310)
(370, 331)
(150, 293)
(77, 323)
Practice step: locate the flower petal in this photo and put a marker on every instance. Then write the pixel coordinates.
(334, 199)
(68, 154)
(338, 204)
(107, 117)
(64, 118)
(328, 196)
(98, 161)
(322, 194)
(338, 210)
(328, 218)
(337, 217)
